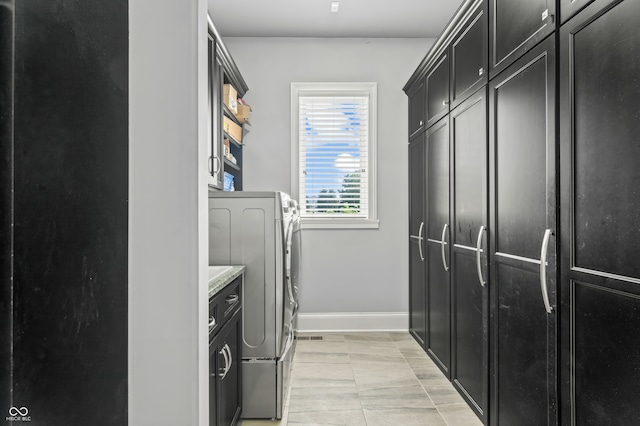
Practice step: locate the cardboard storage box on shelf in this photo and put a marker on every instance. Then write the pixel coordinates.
(232, 129)
(230, 98)
(244, 111)
(226, 151)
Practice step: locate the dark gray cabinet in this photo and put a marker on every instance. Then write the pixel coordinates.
(515, 26)
(417, 117)
(64, 212)
(214, 118)
(437, 87)
(523, 240)
(469, 57)
(222, 70)
(600, 291)
(417, 238)
(225, 357)
(437, 246)
(469, 272)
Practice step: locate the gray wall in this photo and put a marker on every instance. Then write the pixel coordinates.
(168, 350)
(353, 271)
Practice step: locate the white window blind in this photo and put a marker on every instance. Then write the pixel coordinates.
(333, 135)
(334, 155)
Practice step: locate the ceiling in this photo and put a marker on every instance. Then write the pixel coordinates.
(313, 18)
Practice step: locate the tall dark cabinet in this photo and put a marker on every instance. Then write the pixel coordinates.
(417, 238)
(523, 240)
(64, 211)
(438, 245)
(542, 312)
(470, 275)
(600, 298)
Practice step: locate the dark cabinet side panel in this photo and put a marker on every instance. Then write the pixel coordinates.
(71, 211)
(6, 195)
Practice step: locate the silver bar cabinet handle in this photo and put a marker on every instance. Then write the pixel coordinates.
(478, 249)
(543, 270)
(230, 356)
(420, 241)
(225, 370)
(444, 259)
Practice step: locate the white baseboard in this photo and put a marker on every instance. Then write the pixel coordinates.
(353, 321)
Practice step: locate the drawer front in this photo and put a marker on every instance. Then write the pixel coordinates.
(223, 305)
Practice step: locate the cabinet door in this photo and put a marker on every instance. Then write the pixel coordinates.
(417, 117)
(417, 237)
(515, 26)
(437, 84)
(568, 8)
(215, 369)
(438, 243)
(231, 384)
(523, 224)
(600, 65)
(469, 55)
(214, 122)
(230, 394)
(470, 307)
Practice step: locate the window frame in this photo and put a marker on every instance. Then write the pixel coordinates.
(369, 89)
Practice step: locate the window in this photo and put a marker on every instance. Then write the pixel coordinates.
(333, 134)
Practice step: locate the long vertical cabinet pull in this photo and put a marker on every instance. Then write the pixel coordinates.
(230, 355)
(420, 241)
(478, 250)
(543, 270)
(443, 243)
(227, 365)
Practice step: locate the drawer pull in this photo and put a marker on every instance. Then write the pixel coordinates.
(231, 299)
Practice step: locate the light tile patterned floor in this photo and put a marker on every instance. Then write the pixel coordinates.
(369, 379)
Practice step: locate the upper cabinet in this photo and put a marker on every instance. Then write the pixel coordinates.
(227, 116)
(438, 89)
(417, 118)
(568, 8)
(515, 26)
(469, 55)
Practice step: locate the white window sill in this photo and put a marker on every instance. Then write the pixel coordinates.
(339, 223)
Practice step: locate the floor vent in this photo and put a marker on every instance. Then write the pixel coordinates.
(309, 338)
